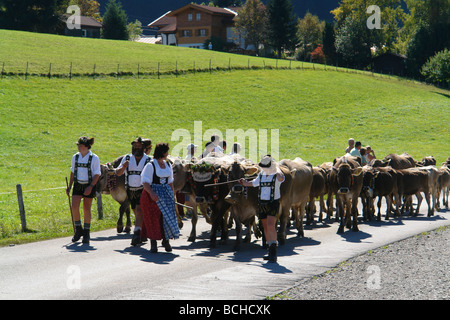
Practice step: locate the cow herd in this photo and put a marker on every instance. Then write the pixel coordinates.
(212, 185)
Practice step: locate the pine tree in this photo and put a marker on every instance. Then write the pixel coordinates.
(115, 22)
(282, 25)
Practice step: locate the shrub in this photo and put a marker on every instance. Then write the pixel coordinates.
(437, 68)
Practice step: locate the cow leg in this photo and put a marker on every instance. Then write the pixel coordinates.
(348, 212)
(128, 213)
(119, 225)
(445, 193)
(194, 220)
(284, 217)
(329, 205)
(322, 208)
(354, 212)
(379, 207)
(299, 221)
(419, 201)
(340, 214)
(429, 198)
(238, 233)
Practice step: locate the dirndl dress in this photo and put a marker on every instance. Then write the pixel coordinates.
(159, 218)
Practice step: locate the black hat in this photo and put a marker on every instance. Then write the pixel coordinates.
(86, 141)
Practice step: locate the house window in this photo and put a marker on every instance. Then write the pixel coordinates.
(198, 16)
(190, 17)
(202, 32)
(84, 33)
(186, 33)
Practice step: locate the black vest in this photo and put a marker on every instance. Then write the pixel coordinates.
(156, 178)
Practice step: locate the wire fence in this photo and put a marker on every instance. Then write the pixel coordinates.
(156, 70)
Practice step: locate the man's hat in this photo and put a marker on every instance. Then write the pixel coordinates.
(137, 140)
(86, 141)
(268, 164)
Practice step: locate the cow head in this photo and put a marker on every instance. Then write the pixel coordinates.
(380, 163)
(345, 174)
(107, 178)
(235, 172)
(202, 176)
(369, 182)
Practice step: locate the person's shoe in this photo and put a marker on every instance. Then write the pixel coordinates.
(78, 233)
(271, 256)
(166, 245)
(86, 236)
(136, 238)
(153, 246)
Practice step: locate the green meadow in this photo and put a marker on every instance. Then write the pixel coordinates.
(314, 111)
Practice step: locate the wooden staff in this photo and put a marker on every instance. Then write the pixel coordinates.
(70, 206)
(183, 205)
(220, 183)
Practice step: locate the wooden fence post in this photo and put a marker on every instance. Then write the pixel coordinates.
(23, 220)
(70, 73)
(26, 72)
(99, 205)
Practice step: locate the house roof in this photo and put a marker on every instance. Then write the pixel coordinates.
(164, 20)
(211, 10)
(85, 21)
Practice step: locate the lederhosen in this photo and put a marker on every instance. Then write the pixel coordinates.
(134, 193)
(80, 186)
(267, 207)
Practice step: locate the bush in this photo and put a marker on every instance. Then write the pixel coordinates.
(437, 68)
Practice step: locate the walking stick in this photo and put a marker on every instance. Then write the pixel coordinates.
(70, 206)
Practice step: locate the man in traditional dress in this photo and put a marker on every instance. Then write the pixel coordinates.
(133, 164)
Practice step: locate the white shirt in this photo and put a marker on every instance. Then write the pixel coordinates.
(265, 191)
(147, 173)
(82, 173)
(134, 180)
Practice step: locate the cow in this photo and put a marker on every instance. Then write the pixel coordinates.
(243, 200)
(110, 183)
(426, 161)
(183, 183)
(402, 161)
(328, 166)
(443, 186)
(294, 193)
(379, 182)
(206, 173)
(318, 189)
(346, 182)
(414, 181)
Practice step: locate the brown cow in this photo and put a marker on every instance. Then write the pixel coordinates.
(318, 189)
(402, 161)
(426, 161)
(210, 171)
(328, 167)
(346, 181)
(183, 183)
(110, 183)
(414, 181)
(294, 193)
(243, 200)
(380, 182)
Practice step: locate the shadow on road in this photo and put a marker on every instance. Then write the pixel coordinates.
(161, 257)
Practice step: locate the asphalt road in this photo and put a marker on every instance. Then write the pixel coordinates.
(109, 268)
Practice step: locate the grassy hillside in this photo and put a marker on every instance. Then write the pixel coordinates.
(315, 112)
(40, 50)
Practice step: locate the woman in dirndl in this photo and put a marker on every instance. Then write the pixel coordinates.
(157, 200)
